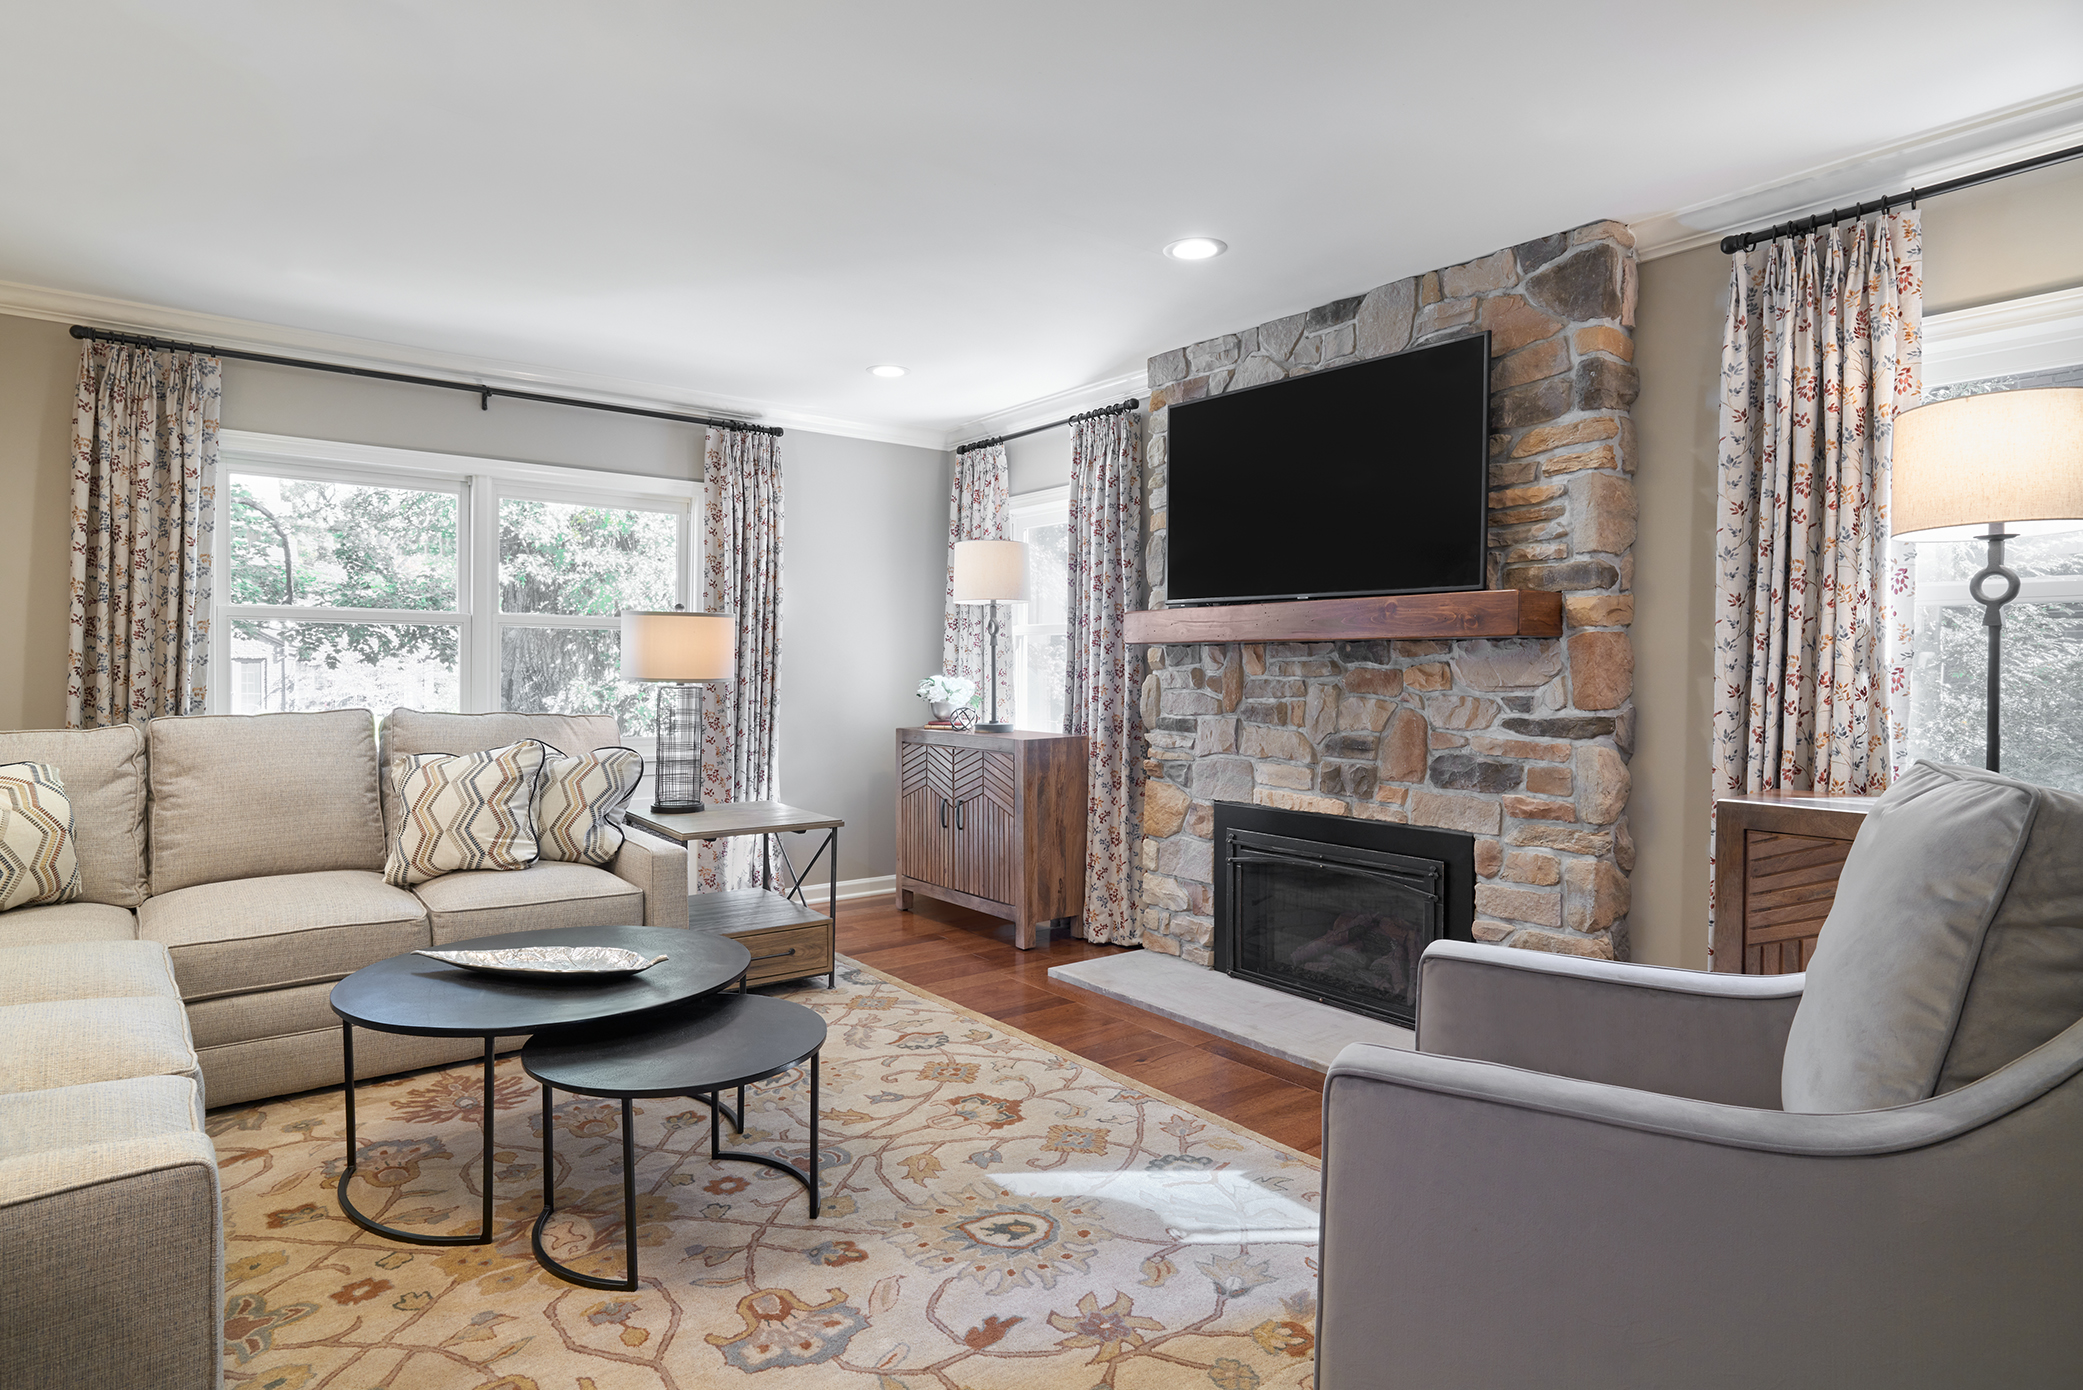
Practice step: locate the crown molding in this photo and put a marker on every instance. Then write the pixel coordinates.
(1997, 137)
(218, 330)
(2011, 338)
(1043, 409)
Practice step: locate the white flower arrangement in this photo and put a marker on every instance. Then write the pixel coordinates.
(949, 690)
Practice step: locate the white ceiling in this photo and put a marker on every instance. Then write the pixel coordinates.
(751, 203)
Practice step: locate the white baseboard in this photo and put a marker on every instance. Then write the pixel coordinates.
(851, 888)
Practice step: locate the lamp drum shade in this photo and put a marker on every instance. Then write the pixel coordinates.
(989, 571)
(2001, 457)
(679, 646)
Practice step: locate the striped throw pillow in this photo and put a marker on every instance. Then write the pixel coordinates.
(579, 801)
(38, 863)
(463, 811)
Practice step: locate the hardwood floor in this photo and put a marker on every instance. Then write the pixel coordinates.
(970, 958)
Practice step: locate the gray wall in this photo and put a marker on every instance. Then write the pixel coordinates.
(865, 556)
(1983, 245)
(863, 550)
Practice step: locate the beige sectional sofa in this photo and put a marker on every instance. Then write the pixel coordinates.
(231, 871)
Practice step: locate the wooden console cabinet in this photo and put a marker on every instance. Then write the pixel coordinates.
(1776, 861)
(993, 821)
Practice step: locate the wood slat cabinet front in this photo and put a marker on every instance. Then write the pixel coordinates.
(1777, 859)
(995, 822)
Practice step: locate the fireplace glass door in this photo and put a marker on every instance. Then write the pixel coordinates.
(1333, 922)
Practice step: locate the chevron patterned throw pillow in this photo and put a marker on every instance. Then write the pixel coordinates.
(579, 801)
(38, 863)
(463, 811)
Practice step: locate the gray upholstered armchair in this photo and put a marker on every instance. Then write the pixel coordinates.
(1605, 1175)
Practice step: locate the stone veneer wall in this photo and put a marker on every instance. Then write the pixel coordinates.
(1522, 741)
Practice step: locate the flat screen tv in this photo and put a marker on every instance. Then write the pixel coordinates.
(1368, 479)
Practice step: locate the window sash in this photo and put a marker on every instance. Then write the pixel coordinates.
(478, 485)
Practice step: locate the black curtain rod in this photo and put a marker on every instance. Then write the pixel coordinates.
(483, 393)
(1130, 404)
(1743, 241)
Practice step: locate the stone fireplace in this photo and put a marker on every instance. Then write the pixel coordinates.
(1519, 744)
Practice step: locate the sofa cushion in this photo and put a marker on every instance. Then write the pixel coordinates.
(288, 929)
(255, 795)
(86, 970)
(423, 731)
(579, 801)
(462, 906)
(38, 864)
(80, 921)
(1953, 947)
(463, 811)
(99, 1112)
(104, 774)
(71, 1042)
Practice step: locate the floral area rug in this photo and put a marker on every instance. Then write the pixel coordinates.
(997, 1214)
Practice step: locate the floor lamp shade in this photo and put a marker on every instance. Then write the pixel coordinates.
(678, 650)
(990, 572)
(1989, 460)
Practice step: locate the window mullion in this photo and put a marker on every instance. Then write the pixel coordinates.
(480, 638)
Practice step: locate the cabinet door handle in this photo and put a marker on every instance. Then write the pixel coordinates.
(943, 813)
(958, 813)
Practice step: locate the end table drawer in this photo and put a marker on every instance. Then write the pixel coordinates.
(787, 953)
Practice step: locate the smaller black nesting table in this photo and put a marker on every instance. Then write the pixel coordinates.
(701, 1050)
(423, 997)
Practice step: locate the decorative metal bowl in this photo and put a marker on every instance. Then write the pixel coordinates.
(550, 962)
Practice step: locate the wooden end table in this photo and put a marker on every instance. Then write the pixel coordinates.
(787, 937)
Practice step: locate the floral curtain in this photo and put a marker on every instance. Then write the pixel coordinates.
(1822, 349)
(742, 514)
(977, 512)
(144, 482)
(1100, 692)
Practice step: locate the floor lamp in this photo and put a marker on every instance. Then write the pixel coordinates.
(679, 651)
(990, 572)
(1989, 461)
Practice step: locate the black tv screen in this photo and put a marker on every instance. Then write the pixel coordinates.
(1368, 479)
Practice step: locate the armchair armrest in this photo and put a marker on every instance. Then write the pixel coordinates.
(659, 867)
(1543, 1230)
(1674, 1032)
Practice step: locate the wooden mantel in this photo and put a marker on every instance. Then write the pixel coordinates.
(1479, 613)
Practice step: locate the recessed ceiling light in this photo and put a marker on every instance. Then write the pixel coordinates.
(886, 369)
(1196, 248)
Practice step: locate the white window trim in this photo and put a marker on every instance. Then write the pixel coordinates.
(2014, 337)
(478, 484)
(1037, 508)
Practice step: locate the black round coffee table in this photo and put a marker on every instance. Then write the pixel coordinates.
(701, 1050)
(422, 997)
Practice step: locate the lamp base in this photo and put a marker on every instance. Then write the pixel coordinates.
(675, 808)
(993, 728)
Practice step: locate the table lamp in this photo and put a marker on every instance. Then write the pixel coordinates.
(1990, 460)
(987, 572)
(679, 650)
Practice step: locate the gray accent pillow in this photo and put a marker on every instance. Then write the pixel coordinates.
(1954, 945)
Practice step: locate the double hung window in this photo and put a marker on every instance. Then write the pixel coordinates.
(356, 576)
(2030, 343)
(1039, 651)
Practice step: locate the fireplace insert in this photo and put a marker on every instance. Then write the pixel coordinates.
(1335, 909)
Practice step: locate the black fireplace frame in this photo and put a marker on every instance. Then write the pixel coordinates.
(1455, 849)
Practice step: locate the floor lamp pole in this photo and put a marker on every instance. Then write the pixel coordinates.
(1992, 619)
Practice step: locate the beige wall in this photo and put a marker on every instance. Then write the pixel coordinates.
(863, 551)
(1982, 245)
(38, 362)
